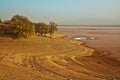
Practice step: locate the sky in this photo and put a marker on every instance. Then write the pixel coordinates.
(64, 12)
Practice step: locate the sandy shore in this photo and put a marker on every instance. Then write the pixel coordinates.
(106, 40)
(43, 58)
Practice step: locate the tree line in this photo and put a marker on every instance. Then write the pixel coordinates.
(23, 27)
(42, 28)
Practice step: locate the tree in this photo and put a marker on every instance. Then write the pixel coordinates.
(41, 29)
(52, 28)
(0, 21)
(37, 28)
(23, 27)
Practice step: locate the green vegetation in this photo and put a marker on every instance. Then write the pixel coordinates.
(42, 28)
(22, 27)
(53, 28)
(0, 21)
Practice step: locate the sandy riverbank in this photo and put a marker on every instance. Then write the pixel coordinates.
(43, 58)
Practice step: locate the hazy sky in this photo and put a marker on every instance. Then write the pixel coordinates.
(64, 11)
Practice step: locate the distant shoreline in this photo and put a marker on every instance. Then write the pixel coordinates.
(89, 28)
(92, 25)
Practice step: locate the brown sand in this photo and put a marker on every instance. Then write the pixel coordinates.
(40, 58)
(106, 40)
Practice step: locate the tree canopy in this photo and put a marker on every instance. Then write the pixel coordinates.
(52, 28)
(42, 28)
(23, 27)
(0, 21)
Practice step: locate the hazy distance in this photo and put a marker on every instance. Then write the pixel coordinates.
(72, 12)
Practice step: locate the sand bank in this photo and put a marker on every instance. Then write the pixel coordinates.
(41, 58)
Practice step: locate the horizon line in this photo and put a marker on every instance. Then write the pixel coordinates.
(99, 25)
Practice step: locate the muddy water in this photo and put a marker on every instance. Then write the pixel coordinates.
(106, 39)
